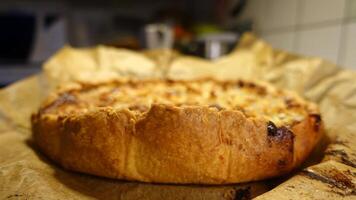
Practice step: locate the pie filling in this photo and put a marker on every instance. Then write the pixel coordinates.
(251, 99)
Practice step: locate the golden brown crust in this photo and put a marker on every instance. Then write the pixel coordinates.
(175, 144)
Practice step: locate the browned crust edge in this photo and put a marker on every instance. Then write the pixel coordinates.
(173, 144)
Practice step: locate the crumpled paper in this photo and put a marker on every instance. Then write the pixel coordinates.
(26, 174)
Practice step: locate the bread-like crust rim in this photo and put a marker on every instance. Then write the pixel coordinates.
(171, 144)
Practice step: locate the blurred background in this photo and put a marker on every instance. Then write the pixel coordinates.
(33, 30)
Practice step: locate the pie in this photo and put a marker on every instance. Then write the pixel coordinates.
(194, 131)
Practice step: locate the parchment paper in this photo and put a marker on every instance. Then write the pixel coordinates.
(26, 174)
